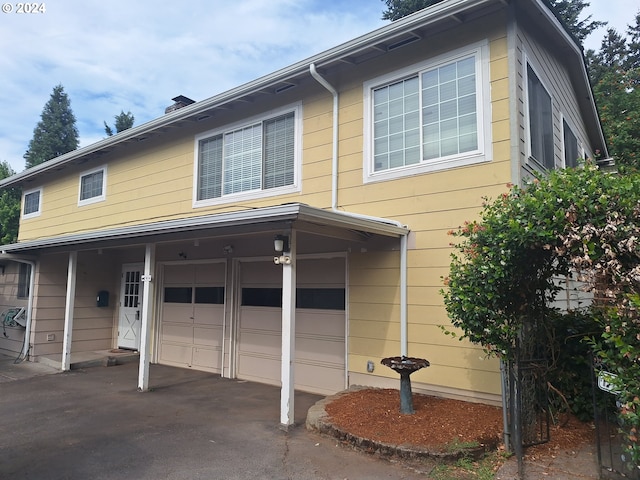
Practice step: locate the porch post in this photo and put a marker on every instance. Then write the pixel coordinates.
(147, 312)
(68, 311)
(288, 336)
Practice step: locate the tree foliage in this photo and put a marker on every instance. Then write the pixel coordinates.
(56, 132)
(397, 9)
(123, 121)
(9, 207)
(615, 76)
(502, 272)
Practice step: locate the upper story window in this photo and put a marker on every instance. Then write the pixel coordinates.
(540, 121)
(32, 203)
(570, 142)
(93, 186)
(428, 116)
(252, 159)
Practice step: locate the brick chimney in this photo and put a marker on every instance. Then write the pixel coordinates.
(179, 102)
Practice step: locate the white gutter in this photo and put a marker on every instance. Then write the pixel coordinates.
(334, 208)
(32, 281)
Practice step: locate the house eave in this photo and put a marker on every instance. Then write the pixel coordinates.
(294, 212)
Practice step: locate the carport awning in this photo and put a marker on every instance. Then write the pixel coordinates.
(292, 212)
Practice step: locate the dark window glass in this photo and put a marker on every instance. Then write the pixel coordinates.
(212, 295)
(262, 297)
(540, 121)
(177, 294)
(323, 298)
(24, 277)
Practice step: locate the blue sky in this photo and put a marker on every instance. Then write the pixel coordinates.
(135, 56)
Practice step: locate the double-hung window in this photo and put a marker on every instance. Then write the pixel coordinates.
(252, 159)
(427, 116)
(540, 121)
(32, 203)
(92, 186)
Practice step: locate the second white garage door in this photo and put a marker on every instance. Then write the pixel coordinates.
(320, 324)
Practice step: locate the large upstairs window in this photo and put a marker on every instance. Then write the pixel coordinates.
(428, 116)
(92, 186)
(32, 203)
(255, 158)
(540, 121)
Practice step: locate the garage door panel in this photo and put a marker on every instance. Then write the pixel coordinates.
(207, 358)
(319, 378)
(259, 343)
(207, 336)
(264, 319)
(177, 333)
(177, 312)
(321, 350)
(209, 314)
(259, 368)
(178, 274)
(209, 273)
(320, 322)
(176, 354)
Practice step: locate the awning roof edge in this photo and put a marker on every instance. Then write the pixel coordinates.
(279, 213)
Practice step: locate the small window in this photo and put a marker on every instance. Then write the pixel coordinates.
(31, 203)
(177, 294)
(24, 277)
(210, 295)
(262, 297)
(321, 298)
(540, 121)
(92, 186)
(571, 154)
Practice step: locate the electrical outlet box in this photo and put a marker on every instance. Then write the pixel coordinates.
(51, 337)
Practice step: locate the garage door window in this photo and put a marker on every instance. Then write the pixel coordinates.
(203, 295)
(210, 295)
(316, 298)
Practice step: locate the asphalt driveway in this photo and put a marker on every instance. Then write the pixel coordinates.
(93, 424)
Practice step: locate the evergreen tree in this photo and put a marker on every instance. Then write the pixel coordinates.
(9, 208)
(569, 12)
(123, 122)
(56, 132)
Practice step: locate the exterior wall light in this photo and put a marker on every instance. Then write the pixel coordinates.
(281, 245)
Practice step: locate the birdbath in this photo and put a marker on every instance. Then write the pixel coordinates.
(405, 366)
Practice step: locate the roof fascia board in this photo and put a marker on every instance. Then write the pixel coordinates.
(384, 33)
(544, 8)
(288, 212)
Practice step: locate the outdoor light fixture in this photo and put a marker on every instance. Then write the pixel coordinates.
(281, 245)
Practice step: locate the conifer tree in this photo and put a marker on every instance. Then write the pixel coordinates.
(123, 122)
(9, 207)
(56, 132)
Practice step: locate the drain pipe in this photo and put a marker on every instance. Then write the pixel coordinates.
(32, 277)
(334, 207)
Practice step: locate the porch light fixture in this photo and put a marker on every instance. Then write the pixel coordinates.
(281, 243)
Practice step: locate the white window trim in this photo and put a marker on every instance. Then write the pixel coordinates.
(99, 198)
(254, 194)
(483, 106)
(32, 214)
(530, 158)
(580, 147)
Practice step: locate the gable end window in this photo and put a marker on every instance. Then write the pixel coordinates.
(32, 203)
(428, 116)
(540, 121)
(92, 186)
(256, 158)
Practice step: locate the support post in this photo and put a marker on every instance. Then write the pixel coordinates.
(288, 336)
(68, 311)
(147, 312)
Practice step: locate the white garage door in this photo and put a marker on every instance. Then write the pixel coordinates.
(191, 326)
(320, 324)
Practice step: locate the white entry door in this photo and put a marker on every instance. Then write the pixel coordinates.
(130, 306)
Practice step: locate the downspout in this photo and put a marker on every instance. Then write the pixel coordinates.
(32, 281)
(334, 208)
